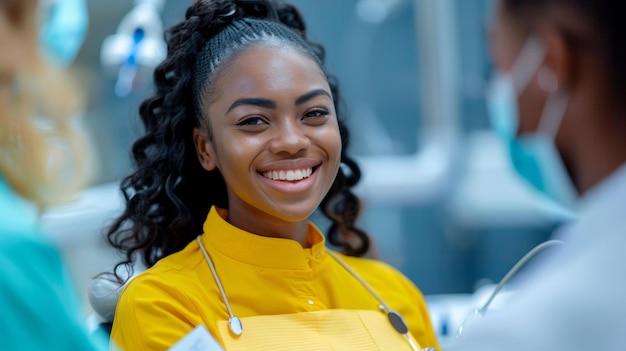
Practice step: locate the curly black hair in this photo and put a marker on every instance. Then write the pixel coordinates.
(168, 196)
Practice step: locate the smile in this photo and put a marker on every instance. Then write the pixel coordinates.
(289, 175)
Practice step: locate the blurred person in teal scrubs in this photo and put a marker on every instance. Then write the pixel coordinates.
(44, 160)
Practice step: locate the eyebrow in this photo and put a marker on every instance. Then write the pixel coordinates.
(310, 95)
(266, 103)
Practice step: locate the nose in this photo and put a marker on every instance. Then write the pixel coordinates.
(290, 137)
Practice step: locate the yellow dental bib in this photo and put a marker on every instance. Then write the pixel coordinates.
(344, 330)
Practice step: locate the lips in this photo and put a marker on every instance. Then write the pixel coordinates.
(289, 175)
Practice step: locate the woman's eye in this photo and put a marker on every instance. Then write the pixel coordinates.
(316, 113)
(251, 121)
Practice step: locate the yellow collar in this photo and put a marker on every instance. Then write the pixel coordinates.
(259, 250)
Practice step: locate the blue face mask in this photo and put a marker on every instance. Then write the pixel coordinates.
(534, 156)
(63, 29)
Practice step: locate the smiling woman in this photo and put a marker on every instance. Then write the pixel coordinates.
(282, 123)
(244, 141)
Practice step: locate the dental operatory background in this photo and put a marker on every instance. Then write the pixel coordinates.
(441, 201)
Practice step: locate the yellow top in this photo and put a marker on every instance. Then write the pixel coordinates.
(261, 276)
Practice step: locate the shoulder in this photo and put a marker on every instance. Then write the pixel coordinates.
(22, 245)
(399, 293)
(158, 307)
(18, 216)
(393, 286)
(173, 279)
(367, 264)
(378, 272)
(37, 263)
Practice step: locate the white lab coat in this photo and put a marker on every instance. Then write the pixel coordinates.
(575, 300)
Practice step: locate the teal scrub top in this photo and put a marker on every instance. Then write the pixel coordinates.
(39, 308)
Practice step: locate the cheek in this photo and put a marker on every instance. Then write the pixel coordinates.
(506, 40)
(234, 155)
(503, 52)
(330, 141)
(530, 103)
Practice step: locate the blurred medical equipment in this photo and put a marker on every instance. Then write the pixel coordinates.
(483, 309)
(86, 254)
(63, 29)
(449, 312)
(136, 48)
(426, 174)
(104, 291)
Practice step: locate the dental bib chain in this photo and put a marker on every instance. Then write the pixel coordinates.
(395, 319)
(234, 324)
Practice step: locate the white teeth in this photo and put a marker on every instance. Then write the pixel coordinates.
(290, 175)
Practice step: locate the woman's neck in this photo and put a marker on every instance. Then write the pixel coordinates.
(266, 225)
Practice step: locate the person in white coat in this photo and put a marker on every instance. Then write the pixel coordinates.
(558, 102)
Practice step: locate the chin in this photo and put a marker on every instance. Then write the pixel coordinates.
(292, 214)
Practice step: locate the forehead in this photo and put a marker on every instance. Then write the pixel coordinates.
(265, 69)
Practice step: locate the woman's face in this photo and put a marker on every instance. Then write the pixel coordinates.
(17, 36)
(507, 38)
(275, 136)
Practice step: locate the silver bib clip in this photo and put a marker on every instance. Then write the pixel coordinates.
(235, 326)
(397, 322)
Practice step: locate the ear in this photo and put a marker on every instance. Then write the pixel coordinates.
(204, 149)
(560, 58)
